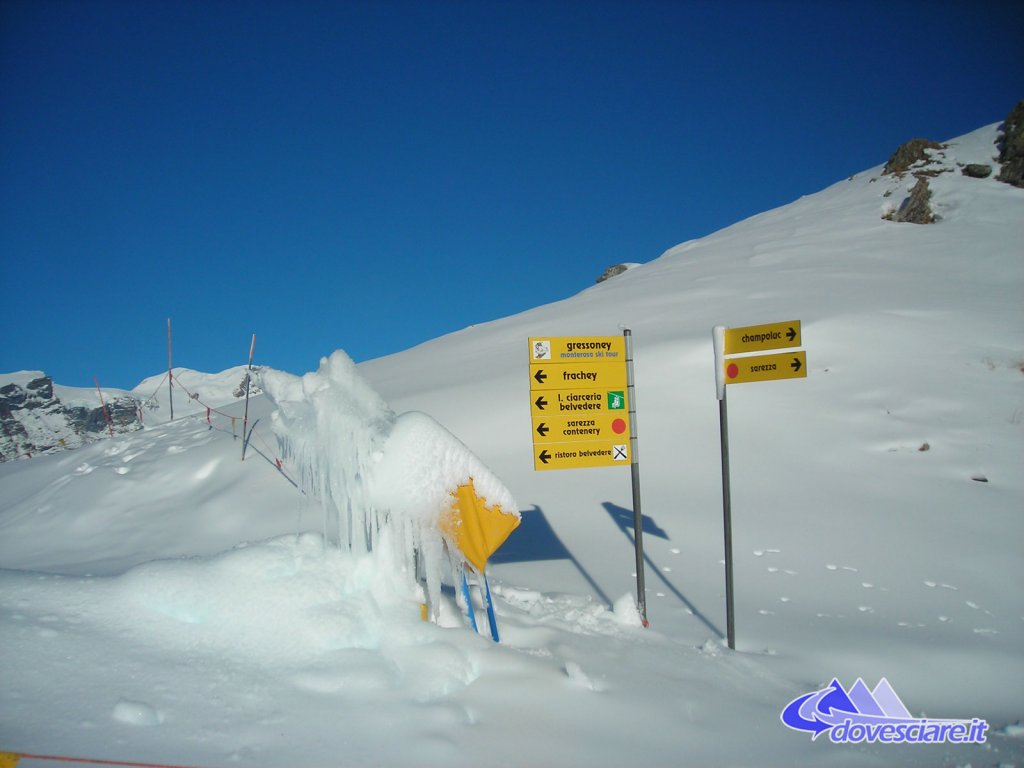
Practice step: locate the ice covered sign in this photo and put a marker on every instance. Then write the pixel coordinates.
(578, 401)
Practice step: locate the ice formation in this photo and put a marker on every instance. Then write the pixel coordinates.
(384, 480)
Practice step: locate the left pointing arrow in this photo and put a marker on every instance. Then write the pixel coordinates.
(544, 456)
(540, 402)
(540, 376)
(543, 429)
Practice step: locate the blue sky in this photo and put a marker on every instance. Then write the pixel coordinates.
(371, 175)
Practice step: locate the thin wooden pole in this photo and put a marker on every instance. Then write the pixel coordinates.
(248, 379)
(170, 374)
(106, 414)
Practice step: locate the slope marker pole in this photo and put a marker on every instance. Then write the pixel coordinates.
(469, 601)
(170, 373)
(248, 380)
(491, 618)
(106, 414)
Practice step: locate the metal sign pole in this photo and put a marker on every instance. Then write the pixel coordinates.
(718, 337)
(730, 616)
(634, 467)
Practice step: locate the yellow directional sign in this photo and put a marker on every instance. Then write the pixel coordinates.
(571, 349)
(785, 365)
(577, 402)
(564, 375)
(598, 453)
(758, 338)
(558, 429)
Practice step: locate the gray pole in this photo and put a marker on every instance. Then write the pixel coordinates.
(723, 418)
(634, 467)
(248, 380)
(170, 372)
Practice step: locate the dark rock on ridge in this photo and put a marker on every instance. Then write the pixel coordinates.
(1011, 147)
(33, 419)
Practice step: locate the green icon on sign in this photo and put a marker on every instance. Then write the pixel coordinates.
(616, 401)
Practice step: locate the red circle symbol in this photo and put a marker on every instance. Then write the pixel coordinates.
(619, 426)
(732, 371)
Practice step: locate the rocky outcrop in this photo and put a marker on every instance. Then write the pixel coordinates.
(908, 155)
(33, 419)
(615, 269)
(916, 208)
(977, 170)
(1011, 147)
(251, 382)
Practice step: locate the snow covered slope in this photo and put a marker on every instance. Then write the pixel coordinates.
(878, 513)
(193, 391)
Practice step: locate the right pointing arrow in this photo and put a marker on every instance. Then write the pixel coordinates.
(791, 334)
(796, 365)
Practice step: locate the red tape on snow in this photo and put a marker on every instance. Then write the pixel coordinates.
(92, 761)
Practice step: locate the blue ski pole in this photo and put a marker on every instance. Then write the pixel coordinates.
(469, 603)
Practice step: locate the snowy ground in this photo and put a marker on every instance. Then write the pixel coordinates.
(163, 601)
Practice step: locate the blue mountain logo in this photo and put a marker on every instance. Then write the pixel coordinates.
(859, 715)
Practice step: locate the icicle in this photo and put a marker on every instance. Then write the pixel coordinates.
(384, 481)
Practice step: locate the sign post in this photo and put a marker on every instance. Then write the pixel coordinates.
(583, 414)
(634, 472)
(740, 370)
(723, 430)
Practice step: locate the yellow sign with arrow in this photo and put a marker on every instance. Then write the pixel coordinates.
(786, 365)
(760, 338)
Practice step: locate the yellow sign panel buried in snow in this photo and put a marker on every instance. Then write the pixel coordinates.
(475, 528)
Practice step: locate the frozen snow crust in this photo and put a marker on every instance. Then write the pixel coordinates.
(877, 510)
